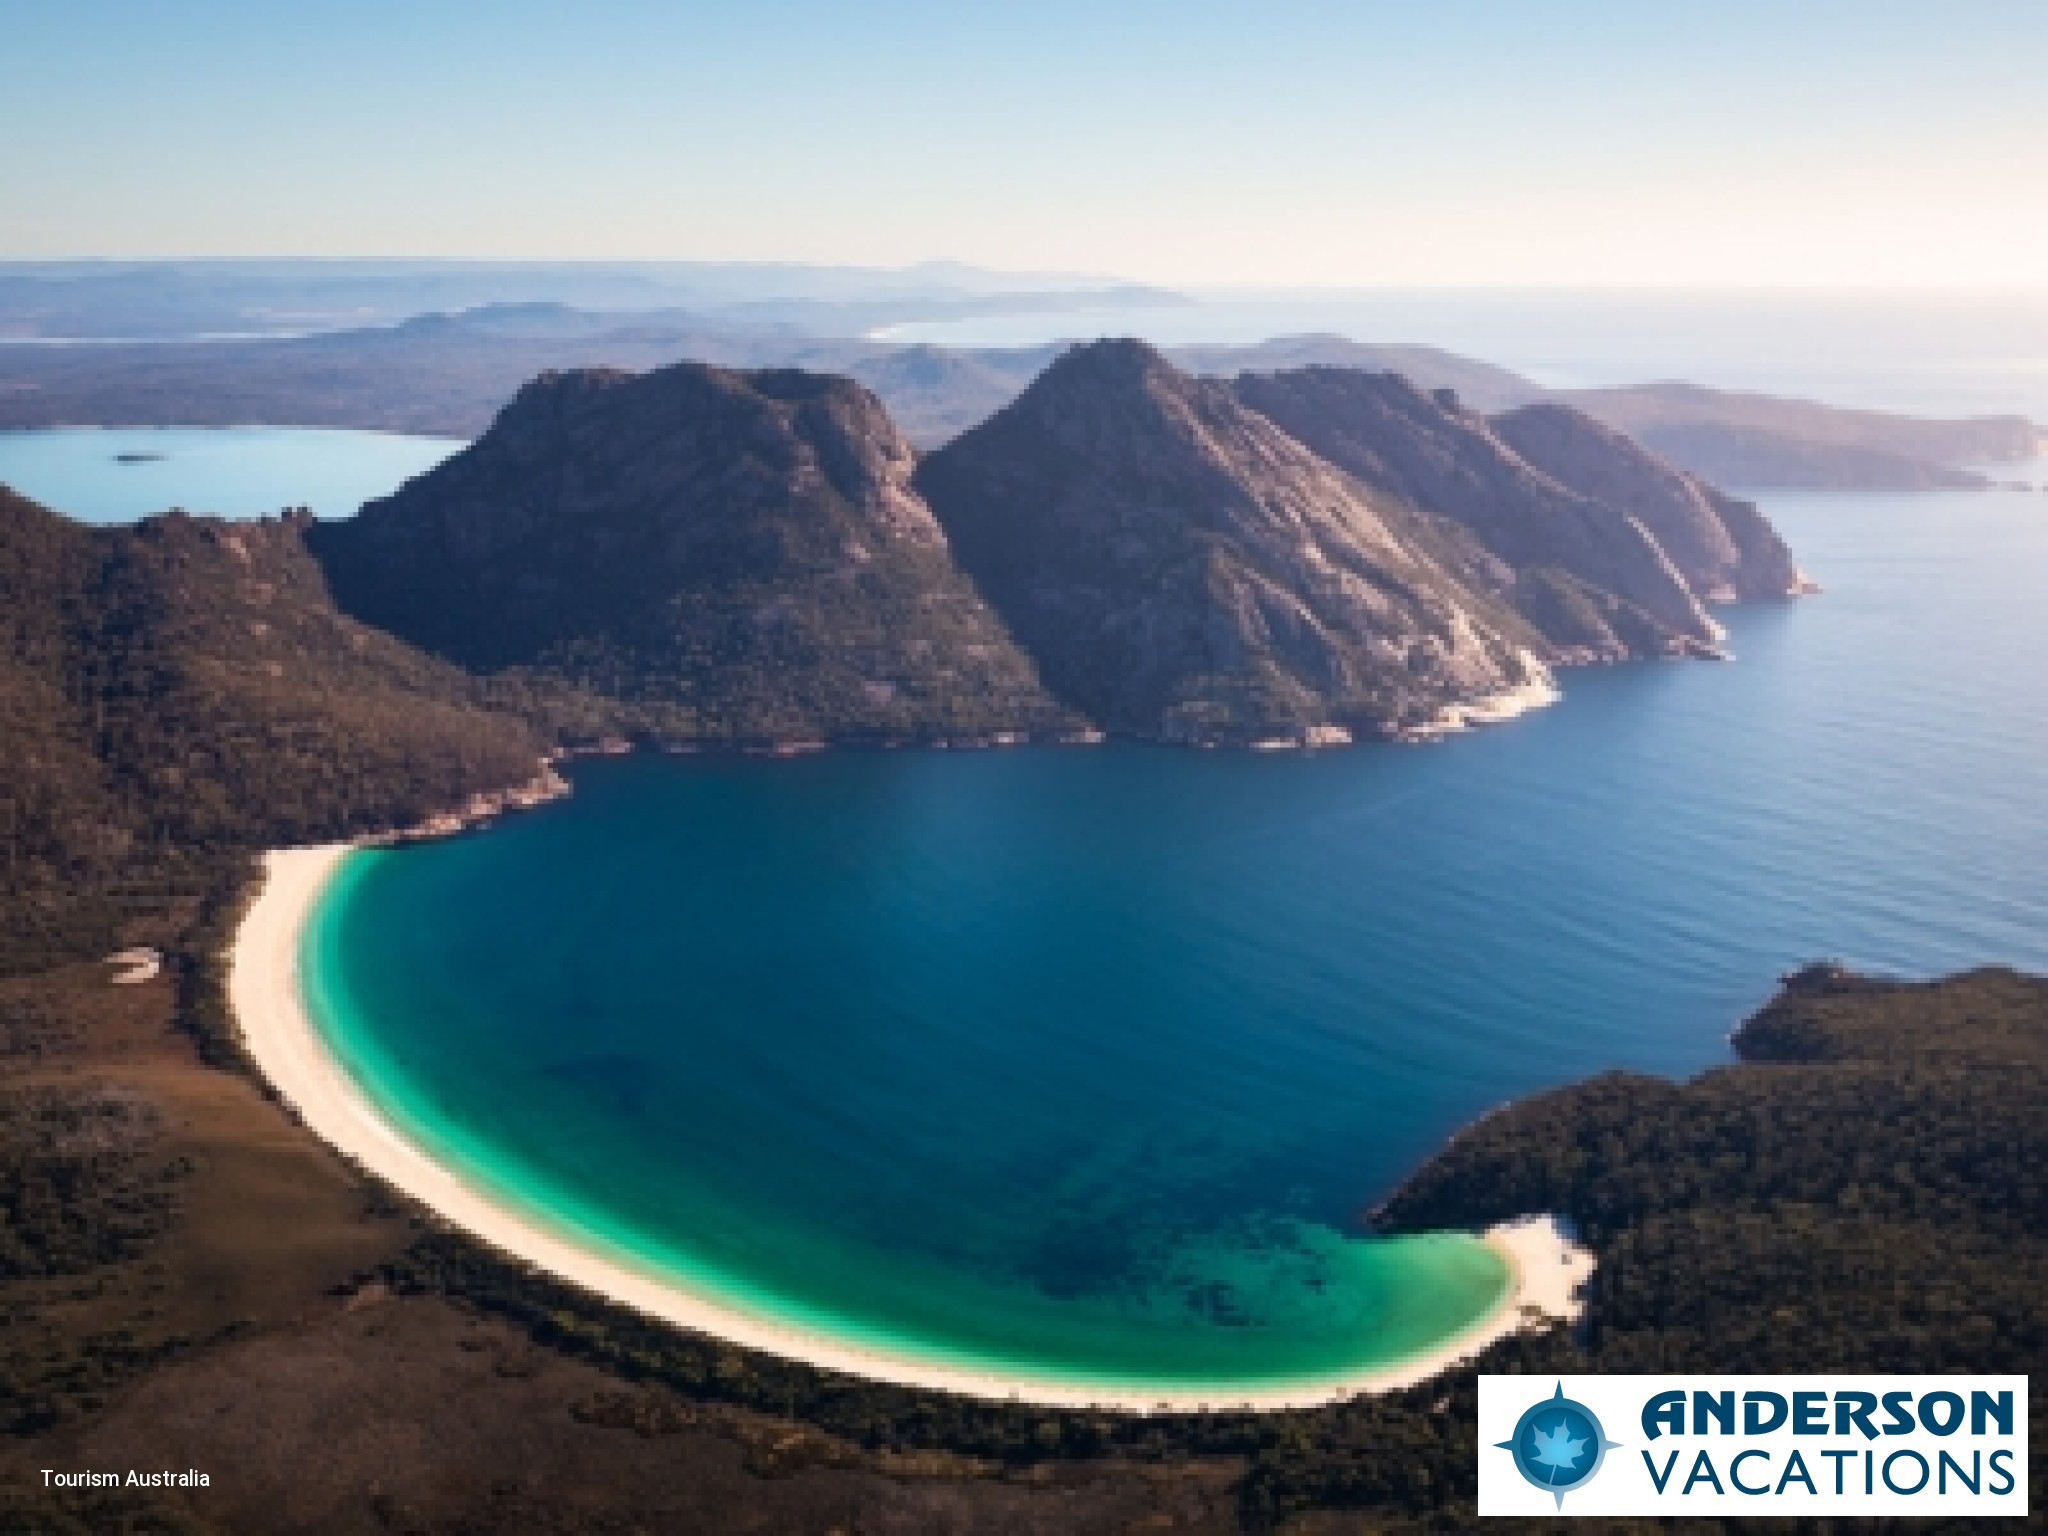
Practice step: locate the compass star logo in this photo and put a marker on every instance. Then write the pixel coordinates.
(1558, 1445)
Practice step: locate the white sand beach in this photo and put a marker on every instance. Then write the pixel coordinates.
(1545, 1266)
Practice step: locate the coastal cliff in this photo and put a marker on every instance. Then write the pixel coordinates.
(1183, 568)
(1725, 549)
(1585, 571)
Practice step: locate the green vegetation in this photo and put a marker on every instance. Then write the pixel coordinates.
(88, 1187)
(179, 693)
(79, 1186)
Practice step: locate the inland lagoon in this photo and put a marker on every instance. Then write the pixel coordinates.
(122, 474)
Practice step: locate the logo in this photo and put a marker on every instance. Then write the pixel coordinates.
(1558, 1445)
(1829, 1449)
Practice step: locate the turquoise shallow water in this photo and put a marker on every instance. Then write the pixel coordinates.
(1086, 1062)
(226, 471)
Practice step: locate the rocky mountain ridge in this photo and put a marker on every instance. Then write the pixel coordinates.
(760, 557)
(1183, 568)
(740, 553)
(1585, 571)
(760, 560)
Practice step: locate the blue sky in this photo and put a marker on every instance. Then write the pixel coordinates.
(1274, 144)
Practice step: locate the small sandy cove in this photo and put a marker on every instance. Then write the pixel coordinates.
(1546, 1267)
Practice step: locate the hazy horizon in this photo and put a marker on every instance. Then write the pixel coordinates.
(1582, 144)
(1245, 291)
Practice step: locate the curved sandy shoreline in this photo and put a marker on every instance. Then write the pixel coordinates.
(1545, 1267)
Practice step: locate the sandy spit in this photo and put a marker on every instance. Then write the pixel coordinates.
(1545, 1266)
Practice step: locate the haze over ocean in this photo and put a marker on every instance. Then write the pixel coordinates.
(1918, 353)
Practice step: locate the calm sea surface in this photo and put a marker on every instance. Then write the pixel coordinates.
(228, 471)
(1086, 1061)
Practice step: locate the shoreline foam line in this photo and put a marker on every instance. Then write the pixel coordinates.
(1545, 1267)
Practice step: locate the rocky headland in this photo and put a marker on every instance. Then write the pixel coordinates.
(1183, 568)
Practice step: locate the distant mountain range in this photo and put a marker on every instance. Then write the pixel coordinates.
(188, 300)
(450, 373)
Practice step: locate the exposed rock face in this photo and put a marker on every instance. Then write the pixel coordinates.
(1437, 456)
(718, 554)
(1182, 567)
(745, 548)
(1695, 524)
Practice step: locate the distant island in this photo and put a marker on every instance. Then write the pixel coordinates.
(138, 458)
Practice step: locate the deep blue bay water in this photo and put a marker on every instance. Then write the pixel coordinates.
(1086, 1062)
(223, 471)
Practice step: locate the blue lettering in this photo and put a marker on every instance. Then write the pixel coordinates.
(1718, 1406)
(1855, 1408)
(1735, 1473)
(1660, 1481)
(1809, 1413)
(1797, 1468)
(2001, 1471)
(1897, 1455)
(1703, 1471)
(1928, 1420)
(1752, 1419)
(1983, 1404)
(1664, 1411)
(1971, 1480)
(1900, 1421)
(1838, 1457)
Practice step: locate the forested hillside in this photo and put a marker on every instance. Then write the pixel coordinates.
(185, 690)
